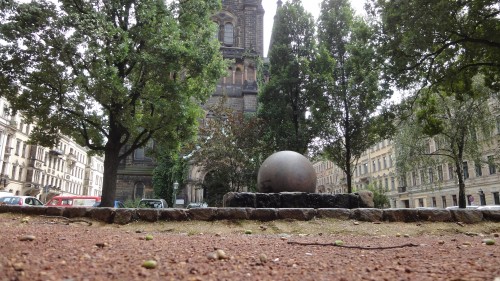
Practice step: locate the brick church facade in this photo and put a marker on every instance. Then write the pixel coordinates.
(241, 34)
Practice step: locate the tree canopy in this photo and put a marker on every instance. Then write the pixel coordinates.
(457, 128)
(111, 74)
(430, 42)
(284, 100)
(229, 151)
(350, 97)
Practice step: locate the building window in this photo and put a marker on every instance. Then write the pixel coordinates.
(443, 199)
(491, 165)
(414, 178)
(466, 170)
(422, 177)
(496, 198)
(373, 166)
(139, 154)
(440, 173)
(420, 202)
(385, 162)
(451, 173)
(454, 198)
(139, 190)
(18, 147)
(434, 204)
(479, 172)
(431, 175)
(393, 183)
(228, 34)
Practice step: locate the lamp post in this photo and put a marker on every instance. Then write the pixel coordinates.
(174, 193)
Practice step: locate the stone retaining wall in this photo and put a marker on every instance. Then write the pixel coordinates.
(124, 216)
(363, 199)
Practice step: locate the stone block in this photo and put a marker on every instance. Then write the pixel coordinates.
(124, 216)
(365, 199)
(102, 214)
(401, 215)
(150, 215)
(202, 214)
(34, 210)
(293, 199)
(55, 211)
(491, 215)
(303, 214)
(335, 213)
(75, 212)
(173, 215)
(434, 215)
(239, 199)
(232, 214)
(368, 214)
(267, 200)
(263, 214)
(466, 216)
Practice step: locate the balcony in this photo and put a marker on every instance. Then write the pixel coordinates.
(56, 152)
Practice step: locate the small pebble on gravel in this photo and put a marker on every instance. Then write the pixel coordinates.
(27, 238)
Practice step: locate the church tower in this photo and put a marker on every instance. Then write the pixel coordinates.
(241, 34)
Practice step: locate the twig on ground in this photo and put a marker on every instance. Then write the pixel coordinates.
(68, 220)
(353, 247)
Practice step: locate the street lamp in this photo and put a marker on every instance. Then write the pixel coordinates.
(174, 195)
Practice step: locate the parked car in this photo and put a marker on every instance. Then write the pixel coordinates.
(489, 207)
(5, 193)
(197, 205)
(73, 201)
(20, 200)
(118, 204)
(153, 203)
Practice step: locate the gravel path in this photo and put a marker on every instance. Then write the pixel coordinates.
(54, 249)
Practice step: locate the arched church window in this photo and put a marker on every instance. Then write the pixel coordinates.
(228, 34)
(139, 190)
(238, 77)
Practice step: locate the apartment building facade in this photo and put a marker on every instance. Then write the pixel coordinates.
(34, 170)
(435, 186)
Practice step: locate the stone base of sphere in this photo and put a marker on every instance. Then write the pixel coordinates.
(298, 200)
(286, 171)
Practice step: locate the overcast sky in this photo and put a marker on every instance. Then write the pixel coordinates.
(310, 5)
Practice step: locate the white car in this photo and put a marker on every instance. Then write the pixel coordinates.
(489, 207)
(20, 200)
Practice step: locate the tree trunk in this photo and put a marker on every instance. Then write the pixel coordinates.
(461, 184)
(111, 162)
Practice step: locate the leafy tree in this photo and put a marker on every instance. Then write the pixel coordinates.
(229, 150)
(380, 200)
(283, 102)
(350, 97)
(430, 42)
(112, 74)
(171, 168)
(459, 128)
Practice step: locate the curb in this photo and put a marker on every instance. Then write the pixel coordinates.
(124, 216)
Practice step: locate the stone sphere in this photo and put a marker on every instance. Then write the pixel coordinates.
(286, 171)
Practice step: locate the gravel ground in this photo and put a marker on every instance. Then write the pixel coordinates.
(43, 248)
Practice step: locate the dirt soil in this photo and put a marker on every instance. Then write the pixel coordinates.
(55, 248)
